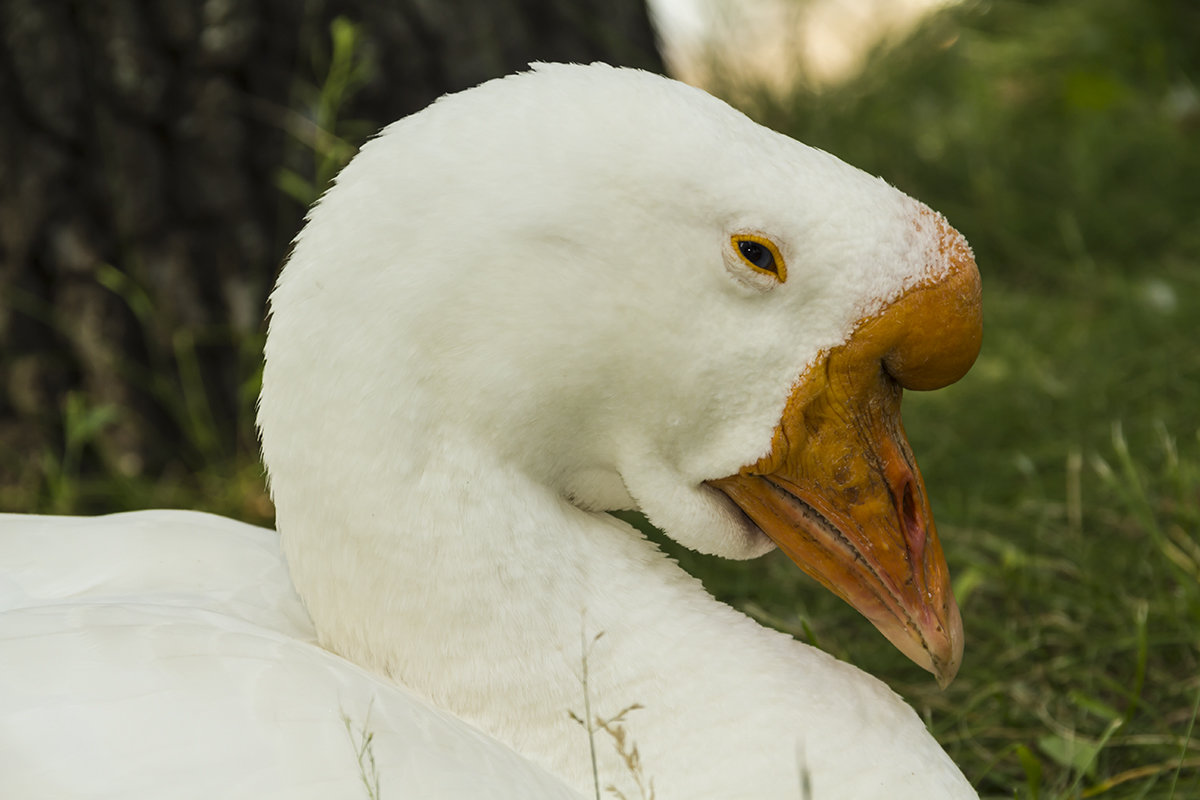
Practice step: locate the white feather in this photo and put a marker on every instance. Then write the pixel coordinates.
(165, 654)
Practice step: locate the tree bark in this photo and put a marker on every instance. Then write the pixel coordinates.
(143, 147)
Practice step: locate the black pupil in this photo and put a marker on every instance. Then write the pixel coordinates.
(757, 255)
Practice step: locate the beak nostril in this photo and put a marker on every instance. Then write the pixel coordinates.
(914, 531)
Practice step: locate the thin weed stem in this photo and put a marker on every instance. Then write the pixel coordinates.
(585, 649)
(613, 726)
(1187, 737)
(364, 754)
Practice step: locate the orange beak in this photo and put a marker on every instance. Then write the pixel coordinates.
(840, 492)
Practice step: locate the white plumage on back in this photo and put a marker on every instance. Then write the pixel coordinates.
(164, 654)
(514, 309)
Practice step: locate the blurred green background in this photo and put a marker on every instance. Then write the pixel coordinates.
(1063, 139)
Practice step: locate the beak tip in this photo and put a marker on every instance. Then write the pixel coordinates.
(945, 673)
(945, 664)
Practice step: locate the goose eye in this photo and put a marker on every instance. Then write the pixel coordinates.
(761, 254)
(757, 255)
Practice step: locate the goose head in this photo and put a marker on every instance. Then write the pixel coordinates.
(631, 295)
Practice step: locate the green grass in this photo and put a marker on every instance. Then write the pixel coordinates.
(1071, 514)
(1064, 140)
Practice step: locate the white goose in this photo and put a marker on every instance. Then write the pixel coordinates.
(570, 290)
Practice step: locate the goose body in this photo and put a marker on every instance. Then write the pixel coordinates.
(572, 290)
(165, 654)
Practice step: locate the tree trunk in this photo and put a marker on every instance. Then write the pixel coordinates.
(156, 157)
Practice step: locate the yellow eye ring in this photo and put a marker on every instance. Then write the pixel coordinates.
(759, 254)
